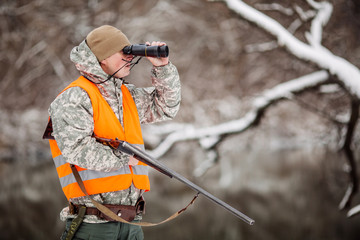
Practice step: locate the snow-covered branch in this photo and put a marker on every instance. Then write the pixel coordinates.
(321, 19)
(319, 55)
(304, 16)
(260, 103)
(354, 211)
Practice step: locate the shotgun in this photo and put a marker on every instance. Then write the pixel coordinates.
(152, 162)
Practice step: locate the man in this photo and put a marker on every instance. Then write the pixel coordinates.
(101, 103)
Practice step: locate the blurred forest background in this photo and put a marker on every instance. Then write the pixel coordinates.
(286, 172)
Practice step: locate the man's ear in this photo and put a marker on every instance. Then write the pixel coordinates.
(103, 64)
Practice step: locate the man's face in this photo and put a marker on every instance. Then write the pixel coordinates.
(116, 61)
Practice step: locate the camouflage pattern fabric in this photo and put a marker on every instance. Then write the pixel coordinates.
(72, 117)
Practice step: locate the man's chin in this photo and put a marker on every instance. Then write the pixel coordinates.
(123, 74)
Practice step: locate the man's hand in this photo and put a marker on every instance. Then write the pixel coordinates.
(157, 62)
(133, 161)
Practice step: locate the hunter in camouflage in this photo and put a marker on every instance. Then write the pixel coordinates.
(72, 118)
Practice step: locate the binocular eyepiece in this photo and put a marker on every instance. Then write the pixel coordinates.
(146, 50)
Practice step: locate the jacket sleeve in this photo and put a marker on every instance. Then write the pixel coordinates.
(72, 118)
(162, 100)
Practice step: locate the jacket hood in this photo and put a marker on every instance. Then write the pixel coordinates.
(87, 64)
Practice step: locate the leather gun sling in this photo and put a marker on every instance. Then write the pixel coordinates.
(115, 217)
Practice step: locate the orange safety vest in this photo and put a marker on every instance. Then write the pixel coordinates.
(106, 125)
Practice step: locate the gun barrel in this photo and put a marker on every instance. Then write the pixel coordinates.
(147, 159)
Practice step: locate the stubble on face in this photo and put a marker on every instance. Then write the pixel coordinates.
(115, 62)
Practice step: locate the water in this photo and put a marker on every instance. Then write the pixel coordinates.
(292, 194)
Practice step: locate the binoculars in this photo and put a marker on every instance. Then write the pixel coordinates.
(146, 50)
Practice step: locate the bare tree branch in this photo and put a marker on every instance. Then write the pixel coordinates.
(354, 182)
(29, 54)
(58, 66)
(274, 7)
(307, 106)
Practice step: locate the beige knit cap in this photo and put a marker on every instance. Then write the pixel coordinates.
(105, 41)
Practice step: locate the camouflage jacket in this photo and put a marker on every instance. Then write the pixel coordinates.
(72, 117)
